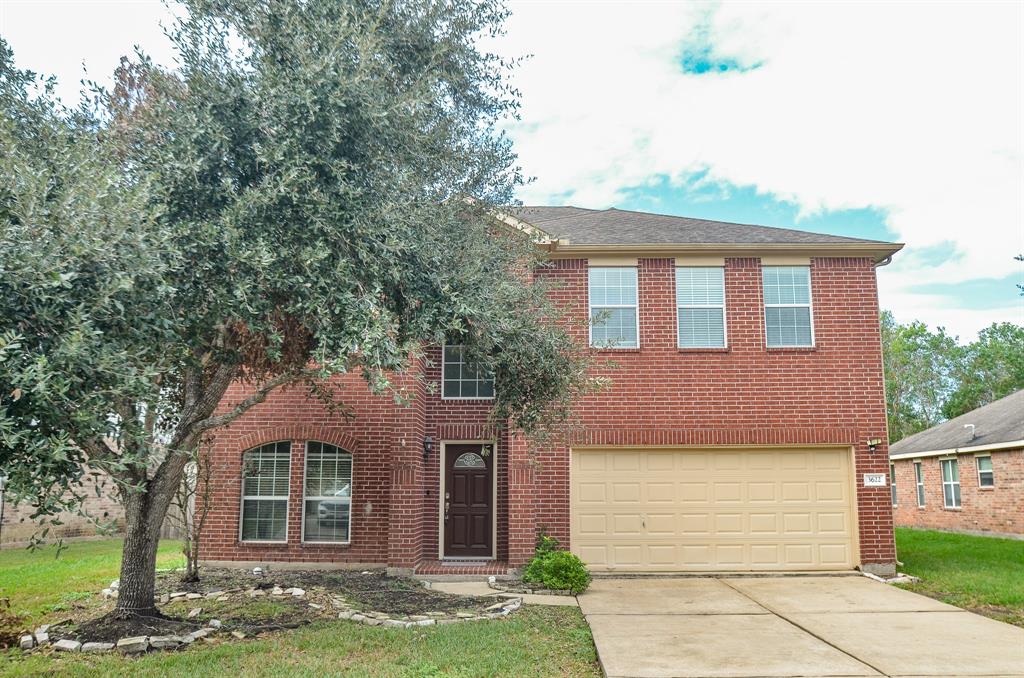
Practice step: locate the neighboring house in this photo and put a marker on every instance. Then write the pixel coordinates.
(746, 405)
(966, 474)
(17, 526)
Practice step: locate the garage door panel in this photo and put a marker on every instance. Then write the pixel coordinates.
(665, 510)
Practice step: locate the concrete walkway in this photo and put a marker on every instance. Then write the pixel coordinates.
(479, 588)
(790, 626)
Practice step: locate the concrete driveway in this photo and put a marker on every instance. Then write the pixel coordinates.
(790, 626)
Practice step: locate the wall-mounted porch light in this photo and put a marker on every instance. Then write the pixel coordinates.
(428, 446)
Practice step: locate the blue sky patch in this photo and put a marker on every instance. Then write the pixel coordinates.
(698, 55)
(697, 197)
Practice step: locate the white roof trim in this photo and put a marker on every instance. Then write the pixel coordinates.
(959, 450)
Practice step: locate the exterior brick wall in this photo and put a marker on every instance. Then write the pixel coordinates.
(998, 509)
(746, 394)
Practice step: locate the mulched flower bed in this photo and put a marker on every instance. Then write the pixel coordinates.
(233, 602)
(367, 590)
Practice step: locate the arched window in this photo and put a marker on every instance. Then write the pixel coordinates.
(327, 497)
(470, 460)
(265, 471)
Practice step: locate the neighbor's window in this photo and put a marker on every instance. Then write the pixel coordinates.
(614, 321)
(950, 483)
(265, 492)
(986, 477)
(787, 306)
(327, 501)
(919, 477)
(464, 379)
(892, 482)
(700, 306)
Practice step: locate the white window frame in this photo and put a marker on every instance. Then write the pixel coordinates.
(991, 472)
(809, 306)
(952, 483)
(680, 307)
(635, 307)
(244, 496)
(919, 481)
(892, 482)
(305, 497)
(444, 362)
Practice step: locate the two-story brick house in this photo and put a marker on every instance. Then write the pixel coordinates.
(745, 405)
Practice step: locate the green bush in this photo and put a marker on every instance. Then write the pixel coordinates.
(558, 570)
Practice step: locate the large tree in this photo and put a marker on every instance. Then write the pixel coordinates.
(987, 369)
(918, 374)
(290, 202)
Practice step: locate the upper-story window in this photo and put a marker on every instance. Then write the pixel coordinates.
(614, 320)
(700, 306)
(463, 379)
(787, 306)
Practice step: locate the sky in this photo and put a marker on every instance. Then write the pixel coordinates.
(900, 122)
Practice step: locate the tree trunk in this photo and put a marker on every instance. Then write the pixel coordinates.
(138, 558)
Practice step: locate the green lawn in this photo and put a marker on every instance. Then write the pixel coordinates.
(983, 574)
(539, 641)
(40, 583)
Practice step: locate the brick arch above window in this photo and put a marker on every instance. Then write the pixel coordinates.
(334, 436)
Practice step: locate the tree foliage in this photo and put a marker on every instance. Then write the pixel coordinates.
(930, 377)
(287, 204)
(990, 368)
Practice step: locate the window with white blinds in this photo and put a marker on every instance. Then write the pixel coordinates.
(700, 306)
(614, 320)
(787, 306)
(265, 476)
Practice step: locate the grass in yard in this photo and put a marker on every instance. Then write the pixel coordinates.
(983, 574)
(539, 641)
(39, 583)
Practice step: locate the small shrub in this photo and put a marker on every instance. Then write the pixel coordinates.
(546, 544)
(558, 570)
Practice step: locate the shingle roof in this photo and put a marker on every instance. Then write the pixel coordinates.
(581, 226)
(998, 422)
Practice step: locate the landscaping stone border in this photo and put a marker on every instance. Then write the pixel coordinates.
(140, 644)
(524, 588)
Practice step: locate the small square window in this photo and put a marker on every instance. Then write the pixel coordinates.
(462, 379)
(986, 476)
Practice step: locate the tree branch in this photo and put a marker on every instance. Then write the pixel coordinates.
(255, 398)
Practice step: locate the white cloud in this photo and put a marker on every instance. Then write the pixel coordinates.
(915, 108)
(911, 107)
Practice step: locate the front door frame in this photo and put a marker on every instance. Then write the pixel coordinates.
(443, 477)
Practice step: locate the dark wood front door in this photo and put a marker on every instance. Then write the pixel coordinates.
(468, 501)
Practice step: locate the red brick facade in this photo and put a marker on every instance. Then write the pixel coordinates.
(746, 394)
(998, 509)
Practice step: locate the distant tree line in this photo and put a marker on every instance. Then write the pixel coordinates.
(930, 376)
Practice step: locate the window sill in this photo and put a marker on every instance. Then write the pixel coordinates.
(791, 349)
(986, 488)
(250, 542)
(321, 544)
(613, 351)
(468, 400)
(950, 508)
(709, 349)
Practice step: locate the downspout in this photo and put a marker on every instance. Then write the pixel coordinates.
(884, 262)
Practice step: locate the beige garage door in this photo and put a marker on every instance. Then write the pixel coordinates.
(707, 510)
